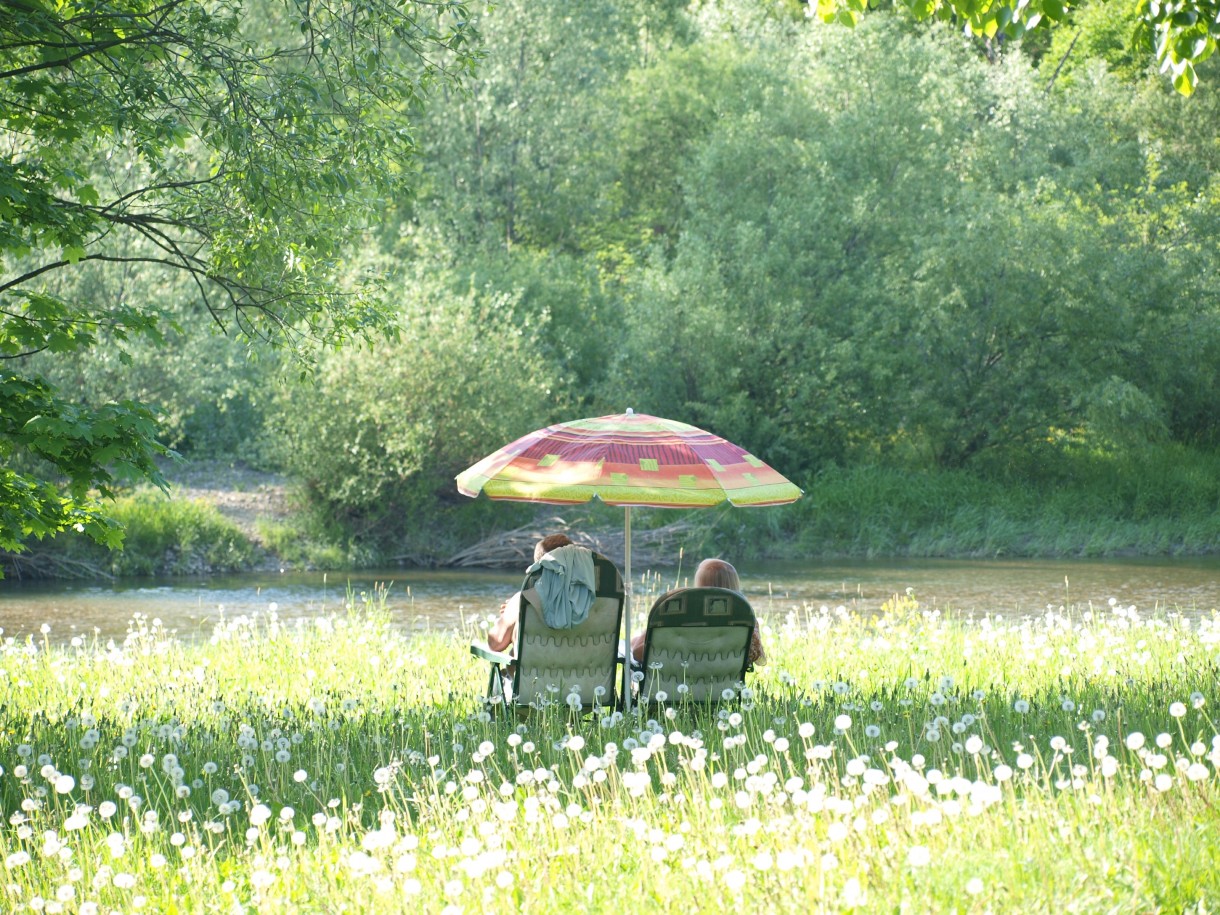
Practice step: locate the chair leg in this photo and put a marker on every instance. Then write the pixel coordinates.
(494, 686)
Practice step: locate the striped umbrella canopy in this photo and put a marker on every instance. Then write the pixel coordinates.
(628, 459)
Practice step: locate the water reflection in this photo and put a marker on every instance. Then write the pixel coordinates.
(422, 600)
(1012, 587)
(417, 600)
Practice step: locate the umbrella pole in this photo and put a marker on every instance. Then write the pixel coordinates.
(627, 607)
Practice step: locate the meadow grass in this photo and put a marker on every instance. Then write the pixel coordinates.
(1157, 500)
(902, 760)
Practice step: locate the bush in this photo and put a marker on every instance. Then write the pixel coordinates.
(163, 537)
(377, 441)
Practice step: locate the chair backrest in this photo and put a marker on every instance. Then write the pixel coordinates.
(552, 663)
(697, 639)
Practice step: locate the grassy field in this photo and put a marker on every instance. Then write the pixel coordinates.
(899, 762)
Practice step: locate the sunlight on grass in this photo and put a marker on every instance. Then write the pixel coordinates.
(901, 759)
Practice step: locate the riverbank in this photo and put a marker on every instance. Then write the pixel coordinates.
(228, 517)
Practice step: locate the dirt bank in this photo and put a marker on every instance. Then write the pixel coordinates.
(242, 495)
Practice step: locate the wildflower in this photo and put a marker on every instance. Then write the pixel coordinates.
(853, 893)
(1020, 706)
(260, 814)
(1135, 740)
(1177, 709)
(919, 856)
(843, 722)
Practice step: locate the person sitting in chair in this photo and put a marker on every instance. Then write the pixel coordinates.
(503, 634)
(711, 573)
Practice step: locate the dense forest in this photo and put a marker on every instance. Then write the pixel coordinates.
(962, 290)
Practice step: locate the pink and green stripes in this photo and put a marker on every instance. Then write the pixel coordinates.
(627, 459)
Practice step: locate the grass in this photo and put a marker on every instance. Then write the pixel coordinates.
(1158, 500)
(175, 537)
(161, 537)
(904, 760)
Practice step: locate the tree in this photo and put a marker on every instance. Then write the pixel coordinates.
(241, 143)
(1182, 33)
(378, 439)
(973, 267)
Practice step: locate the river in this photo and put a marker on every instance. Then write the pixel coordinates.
(423, 600)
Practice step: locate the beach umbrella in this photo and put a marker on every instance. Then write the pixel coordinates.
(628, 459)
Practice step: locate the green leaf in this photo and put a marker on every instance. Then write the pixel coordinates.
(1054, 10)
(1185, 80)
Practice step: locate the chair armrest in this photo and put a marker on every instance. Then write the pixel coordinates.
(494, 657)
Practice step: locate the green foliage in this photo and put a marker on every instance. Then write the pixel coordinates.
(307, 543)
(838, 248)
(238, 145)
(161, 536)
(1183, 35)
(176, 537)
(91, 449)
(377, 440)
(1042, 502)
(976, 276)
(1099, 31)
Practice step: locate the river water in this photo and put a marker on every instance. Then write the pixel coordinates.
(423, 600)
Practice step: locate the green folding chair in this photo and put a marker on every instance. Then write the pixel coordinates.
(697, 645)
(548, 666)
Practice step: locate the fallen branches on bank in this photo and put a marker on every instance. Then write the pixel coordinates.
(515, 549)
(36, 565)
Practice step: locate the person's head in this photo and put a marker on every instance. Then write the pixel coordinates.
(716, 573)
(548, 543)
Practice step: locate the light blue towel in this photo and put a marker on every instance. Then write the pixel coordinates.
(566, 586)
